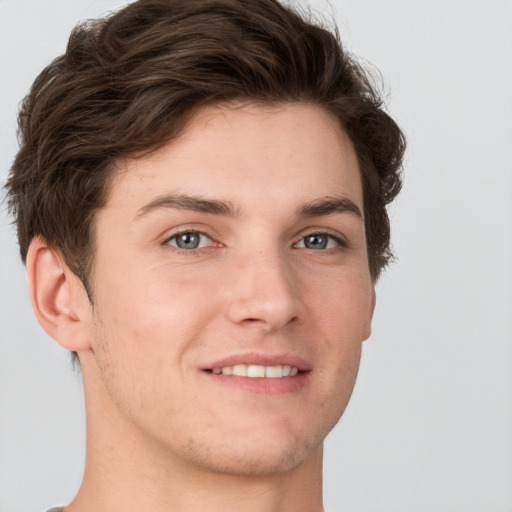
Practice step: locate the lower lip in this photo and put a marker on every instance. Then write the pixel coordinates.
(261, 385)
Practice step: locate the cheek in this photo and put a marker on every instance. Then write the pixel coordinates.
(344, 308)
(341, 315)
(141, 337)
(150, 323)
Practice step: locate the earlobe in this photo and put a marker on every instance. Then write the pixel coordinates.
(367, 330)
(54, 296)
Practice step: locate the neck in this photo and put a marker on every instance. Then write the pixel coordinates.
(126, 470)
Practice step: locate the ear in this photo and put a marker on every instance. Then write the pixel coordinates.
(58, 296)
(367, 328)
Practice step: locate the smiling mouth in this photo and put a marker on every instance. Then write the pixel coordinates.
(261, 374)
(257, 371)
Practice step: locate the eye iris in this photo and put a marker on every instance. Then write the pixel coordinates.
(187, 241)
(315, 242)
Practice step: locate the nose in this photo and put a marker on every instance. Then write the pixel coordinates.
(263, 292)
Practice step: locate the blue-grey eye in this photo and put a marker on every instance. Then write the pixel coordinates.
(190, 240)
(318, 242)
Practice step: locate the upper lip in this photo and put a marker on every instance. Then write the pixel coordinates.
(259, 359)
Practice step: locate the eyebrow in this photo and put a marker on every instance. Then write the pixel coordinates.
(316, 208)
(186, 202)
(328, 205)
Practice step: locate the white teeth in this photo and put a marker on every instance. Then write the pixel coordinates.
(273, 372)
(240, 370)
(257, 371)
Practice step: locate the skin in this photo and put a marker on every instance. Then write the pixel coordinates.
(163, 433)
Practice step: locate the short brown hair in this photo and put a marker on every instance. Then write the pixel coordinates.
(127, 84)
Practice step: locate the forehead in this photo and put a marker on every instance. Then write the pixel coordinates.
(250, 154)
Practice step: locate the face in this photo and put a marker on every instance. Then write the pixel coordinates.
(232, 290)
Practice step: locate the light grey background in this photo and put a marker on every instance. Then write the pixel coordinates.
(429, 428)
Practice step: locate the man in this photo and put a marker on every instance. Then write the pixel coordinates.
(200, 195)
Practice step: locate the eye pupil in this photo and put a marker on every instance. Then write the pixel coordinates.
(315, 242)
(188, 241)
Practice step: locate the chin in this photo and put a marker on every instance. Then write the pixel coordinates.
(263, 462)
(259, 453)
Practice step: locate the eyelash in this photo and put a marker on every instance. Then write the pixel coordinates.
(183, 232)
(341, 243)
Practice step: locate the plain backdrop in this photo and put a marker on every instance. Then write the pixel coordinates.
(429, 427)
